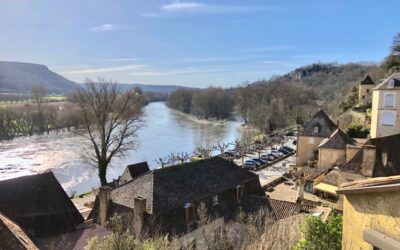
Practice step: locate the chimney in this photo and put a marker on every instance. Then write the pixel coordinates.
(138, 215)
(104, 198)
(300, 190)
(368, 162)
(337, 123)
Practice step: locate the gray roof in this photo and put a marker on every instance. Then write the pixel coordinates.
(337, 140)
(39, 205)
(172, 187)
(323, 122)
(138, 169)
(393, 80)
(367, 81)
(13, 237)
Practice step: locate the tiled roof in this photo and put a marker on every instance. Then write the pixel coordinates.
(367, 81)
(284, 209)
(379, 184)
(337, 140)
(13, 237)
(323, 122)
(310, 173)
(331, 178)
(170, 187)
(392, 82)
(38, 204)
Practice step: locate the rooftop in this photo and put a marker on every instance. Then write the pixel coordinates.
(13, 237)
(325, 125)
(337, 140)
(379, 184)
(392, 82)
(367, 81)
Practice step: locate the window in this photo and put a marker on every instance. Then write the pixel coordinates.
(363, 97)
(367, 90)
(389, 100)
(316, 129)
(215, 200)
(384, 159)
(189, 211)
(239, 193)
(388, 119)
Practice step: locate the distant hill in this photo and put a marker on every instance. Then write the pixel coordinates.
(165, 89)
(18, 77)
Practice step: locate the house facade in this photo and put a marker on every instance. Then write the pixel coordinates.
(168, 200)
(315, 131)
(365, 91)
(385, 118)
(371, 215)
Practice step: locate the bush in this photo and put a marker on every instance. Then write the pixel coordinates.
(357, 131)
(321, 235)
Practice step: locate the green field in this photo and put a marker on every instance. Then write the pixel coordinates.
(50, 98)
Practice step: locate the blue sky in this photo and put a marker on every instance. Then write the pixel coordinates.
(193, 43)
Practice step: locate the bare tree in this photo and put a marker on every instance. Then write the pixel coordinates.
(38, 96)
(178, 157)
(163, 161)
(202, 151)
(221, 147)
(240, 149)
(111, 119)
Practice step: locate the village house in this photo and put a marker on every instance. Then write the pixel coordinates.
(40, 208)
(385, 118)
(315, 131)
(168, 198)
(371, 215)
(134, 170)
(365, 91)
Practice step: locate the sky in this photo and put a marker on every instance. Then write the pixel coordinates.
(195, 43)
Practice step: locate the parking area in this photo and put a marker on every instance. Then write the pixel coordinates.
(277, 168)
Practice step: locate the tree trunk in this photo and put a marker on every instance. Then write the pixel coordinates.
(102, 173)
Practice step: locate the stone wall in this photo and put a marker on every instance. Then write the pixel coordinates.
(365, 94)
(377, 211)
(306, 146)
(329, 157)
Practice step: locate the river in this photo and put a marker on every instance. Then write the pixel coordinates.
(165, 131)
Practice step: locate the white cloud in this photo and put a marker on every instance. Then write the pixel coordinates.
(185, 71)
(182, 6)
(198, 7)
(105, 70)
(103, 28)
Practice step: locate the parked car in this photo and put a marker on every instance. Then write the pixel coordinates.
(276, 153)
(289, 133)
(294, 142)
(288, 148)
(283, 151)
(261, 161)
(251, 165)
(267, 157)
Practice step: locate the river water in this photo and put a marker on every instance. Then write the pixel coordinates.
(165, 131)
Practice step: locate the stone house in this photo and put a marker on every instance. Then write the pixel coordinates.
(365, 91)
(371, 216)
(315, 131)
(38, 208)
(134, 170)
(385, 118)
(167, 199)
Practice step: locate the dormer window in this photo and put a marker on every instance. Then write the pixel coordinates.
(316, 129)
(189, 212)
(239, 193)
(215, 200)
(389, 100)
(391, 83)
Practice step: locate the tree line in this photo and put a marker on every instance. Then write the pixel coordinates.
(209, 103)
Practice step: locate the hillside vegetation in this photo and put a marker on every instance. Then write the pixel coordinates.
(18, 77)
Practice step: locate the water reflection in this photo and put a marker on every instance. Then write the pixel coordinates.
(165, 131)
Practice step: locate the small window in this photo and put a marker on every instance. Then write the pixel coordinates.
(391, 83)
(189, 211)
(367, 90)
(239, 193)
(215, 200)
(389, 100)
(316, 129)
(363, 97)
(388, 119)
